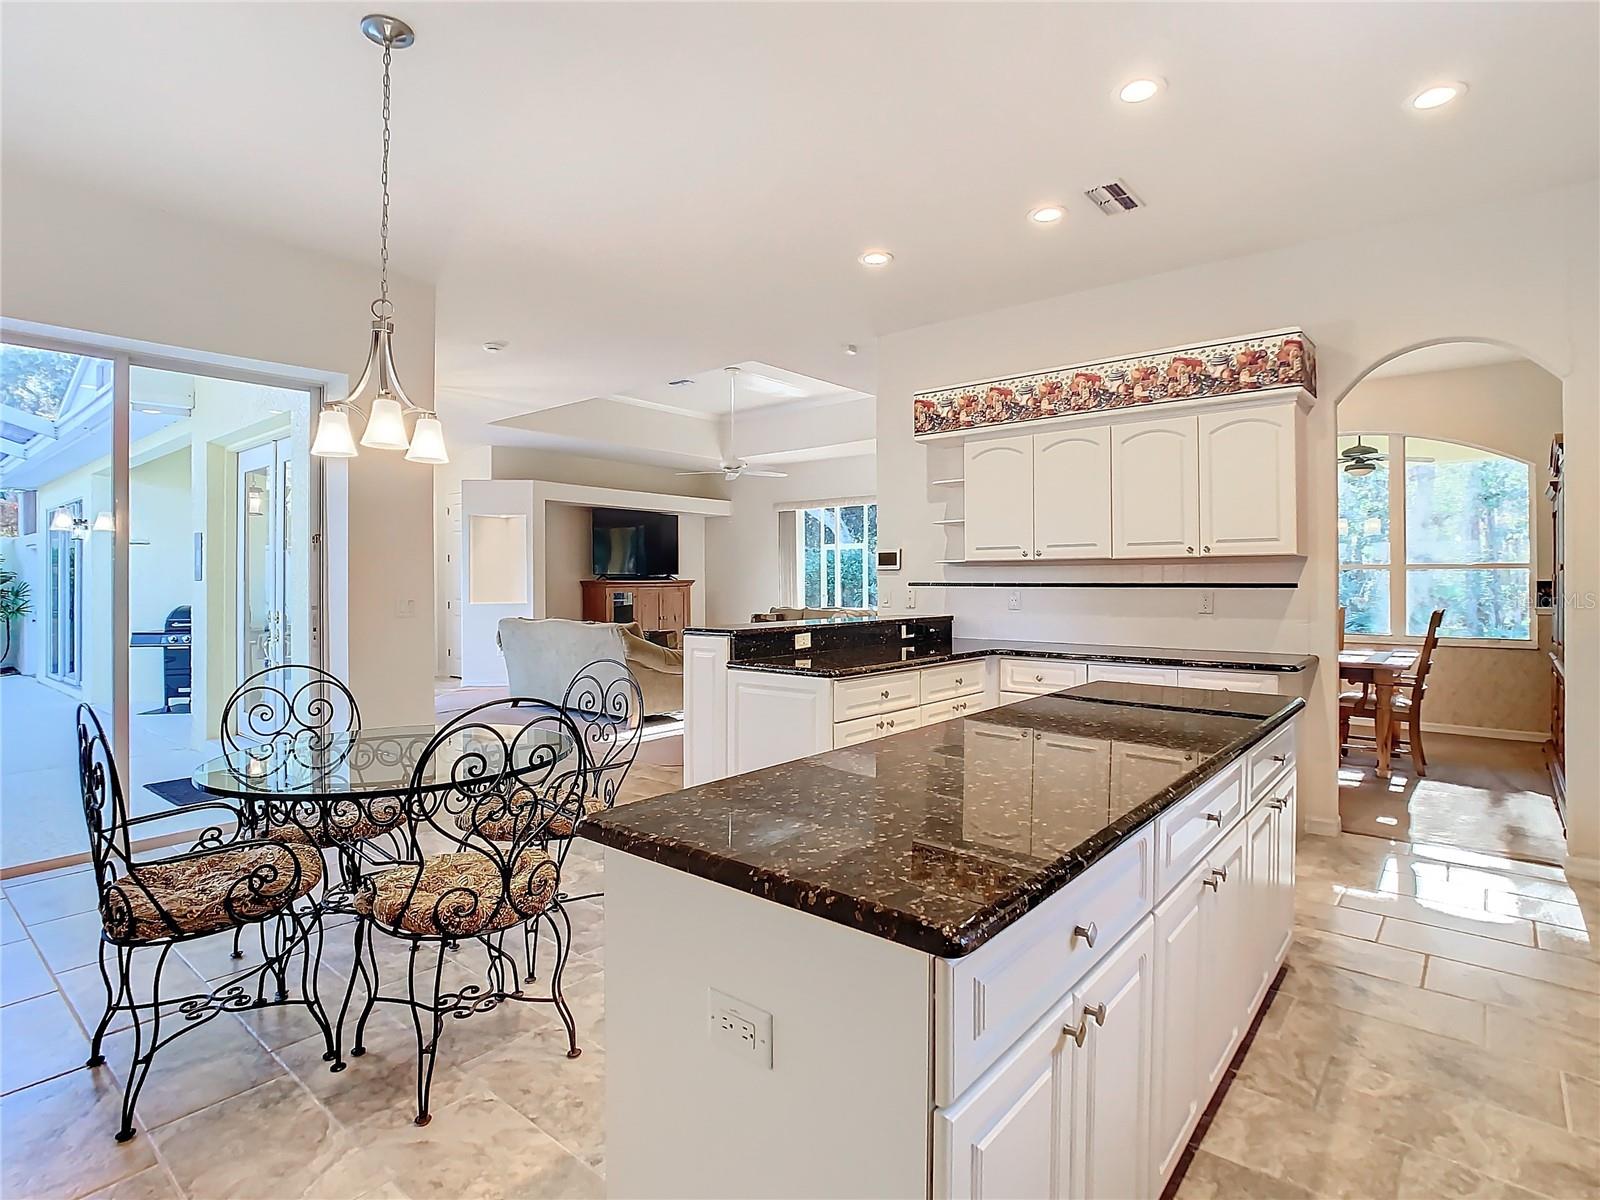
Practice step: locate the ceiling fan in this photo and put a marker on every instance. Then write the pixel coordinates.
(733, 467)
(1362, 459)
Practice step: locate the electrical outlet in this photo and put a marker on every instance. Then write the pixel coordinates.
(1208, 602)
(1014, 600)
(802, 641)
(741, 1029)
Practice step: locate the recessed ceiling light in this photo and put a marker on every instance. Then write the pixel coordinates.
(1137, 91)
(876, 258)
(1047, 214)
(1437, 96)
(494, 347)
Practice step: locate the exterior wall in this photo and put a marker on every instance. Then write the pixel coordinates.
(1522, 274)
(1515, 409)
(79, 260)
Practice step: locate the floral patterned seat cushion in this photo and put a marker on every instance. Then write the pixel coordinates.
(464, 894)
(338, 822)
(210, 891)
(523, 816)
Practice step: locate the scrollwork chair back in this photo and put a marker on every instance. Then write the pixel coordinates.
(606, 704)
(290, 713)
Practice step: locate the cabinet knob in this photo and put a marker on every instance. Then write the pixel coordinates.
(1088, 933)
(890, 724)
(1277, 805)
(1190, 549)
(1215, 817)
(1205, 549)
(884, 693)
(1221, 874)
(1209, 882)
(880, 724)
(960, 681)
(1098, 1012)
(1024, 554)
(1038, 553)
(1038, 678)
(1079, 1032)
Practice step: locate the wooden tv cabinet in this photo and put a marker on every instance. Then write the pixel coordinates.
(661, 606)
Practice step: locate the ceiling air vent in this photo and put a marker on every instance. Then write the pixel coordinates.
(1113, 198)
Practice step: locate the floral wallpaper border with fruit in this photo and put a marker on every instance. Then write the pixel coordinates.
(1282, 358)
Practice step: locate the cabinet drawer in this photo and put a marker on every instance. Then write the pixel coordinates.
(984, 1002)
(1230, 681)
(946, 710)
(875, 694)
(1038, 677)
(1270, 759)
(957, 679)
(1132, 673)
(865, 729)
(1185, 832)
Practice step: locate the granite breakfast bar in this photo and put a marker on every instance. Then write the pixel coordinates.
(1006, 954)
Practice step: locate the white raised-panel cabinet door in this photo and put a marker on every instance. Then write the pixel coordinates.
(705, 702)
(1072, 493)
(1132, 673)
(1180, 1023)
(1248, 493)
(1261, 903)
(1011, 1135)
(999, 473)
(1225, 992)
(1284, 817)
(1112, 1119)
(1155, 489)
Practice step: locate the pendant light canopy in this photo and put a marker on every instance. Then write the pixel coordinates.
(389, 406)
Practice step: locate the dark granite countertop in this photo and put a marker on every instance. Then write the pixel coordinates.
(869, 660)
(941, 837)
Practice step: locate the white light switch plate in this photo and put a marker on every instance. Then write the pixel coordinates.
(740, 1029)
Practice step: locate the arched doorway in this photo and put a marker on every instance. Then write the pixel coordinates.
(1442, 462)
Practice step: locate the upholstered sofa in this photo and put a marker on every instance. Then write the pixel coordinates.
(542, 656)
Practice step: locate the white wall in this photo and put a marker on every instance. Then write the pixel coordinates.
(1515, 409)
(1523, 273)
(77, 258)
(742, 549)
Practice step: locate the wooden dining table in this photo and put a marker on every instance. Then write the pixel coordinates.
(1380, 669)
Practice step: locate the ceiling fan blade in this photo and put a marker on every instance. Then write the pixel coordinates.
(718, 471)
(767, 474)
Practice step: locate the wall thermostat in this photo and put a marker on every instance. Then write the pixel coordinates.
(888, 560)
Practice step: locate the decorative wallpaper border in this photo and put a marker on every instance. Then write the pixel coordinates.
(1282, 358)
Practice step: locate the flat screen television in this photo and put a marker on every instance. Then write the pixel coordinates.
(634, 545)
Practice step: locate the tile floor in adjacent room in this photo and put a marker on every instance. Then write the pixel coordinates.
(1437, 1034)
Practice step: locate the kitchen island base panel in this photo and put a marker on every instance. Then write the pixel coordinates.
(844, 1108)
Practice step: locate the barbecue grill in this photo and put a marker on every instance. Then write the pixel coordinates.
(174, 639)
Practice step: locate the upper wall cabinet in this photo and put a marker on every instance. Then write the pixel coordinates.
(1000, 507)
(1249, 493)
(1219, 482)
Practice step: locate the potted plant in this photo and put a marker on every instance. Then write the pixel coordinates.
(14, 605)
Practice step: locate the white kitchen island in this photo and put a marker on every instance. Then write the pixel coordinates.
(919, 968)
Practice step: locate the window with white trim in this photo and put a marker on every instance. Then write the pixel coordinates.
(836, 556)
(1435, 524)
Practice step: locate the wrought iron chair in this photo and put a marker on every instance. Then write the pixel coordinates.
(473, 775)
(227, 880)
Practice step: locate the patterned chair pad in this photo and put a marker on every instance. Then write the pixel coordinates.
(341, 823)
(502, 821)
(208, 892)
(464, 894)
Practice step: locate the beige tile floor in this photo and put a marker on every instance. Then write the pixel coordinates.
(1437, 1034)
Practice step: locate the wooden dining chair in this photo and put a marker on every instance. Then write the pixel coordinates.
(1405, 711)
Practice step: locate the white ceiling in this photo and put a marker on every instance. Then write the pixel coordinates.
(633, 193)
(757, 385)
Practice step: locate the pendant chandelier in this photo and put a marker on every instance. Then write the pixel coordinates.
(386, 415)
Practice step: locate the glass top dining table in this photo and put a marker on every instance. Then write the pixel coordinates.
(376, 762)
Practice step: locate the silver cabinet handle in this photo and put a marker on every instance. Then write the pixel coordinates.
(1205, 549)
(1214, 817)
(1098, 1012)
(960, 681)
(1221, 873)
(1038, 678)
(1209, 882)
(1277, 805)
(1275, 758)
(1038, 553)
(1190, 549)
(1079, 1033)
(1088, 933)
(1024, 554)
(884, 693)
(880, 724)
(890, 724)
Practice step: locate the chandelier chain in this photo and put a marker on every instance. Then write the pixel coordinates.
(383, 307)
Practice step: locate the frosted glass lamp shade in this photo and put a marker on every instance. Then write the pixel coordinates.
(334, 439)
(60, 521)
(386, 426)
(427, 442)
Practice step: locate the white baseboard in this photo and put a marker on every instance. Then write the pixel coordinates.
(1483, 731)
